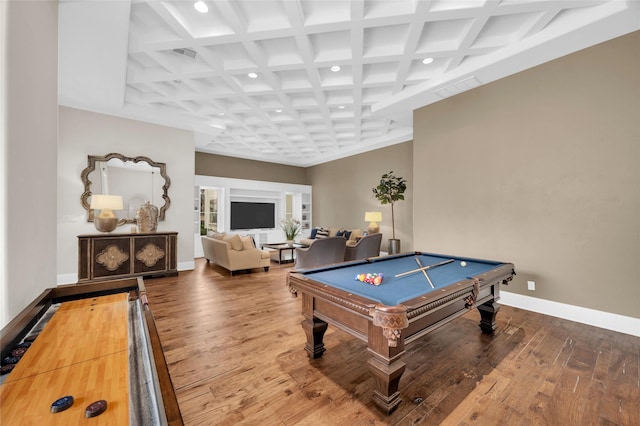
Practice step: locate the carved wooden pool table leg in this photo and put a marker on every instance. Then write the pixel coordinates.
(386, 378)
(314, 328)
(488, 312)
(386, 368)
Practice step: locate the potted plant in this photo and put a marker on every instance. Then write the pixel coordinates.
(390, 190)
(291, 228)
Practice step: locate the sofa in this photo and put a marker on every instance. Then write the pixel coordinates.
(325, 251)
(367, 246)
(234, 253)
(317, 233)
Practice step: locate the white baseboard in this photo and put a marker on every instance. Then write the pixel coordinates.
(607, 320)
(187, 266)
(66, 279)
(62, 279)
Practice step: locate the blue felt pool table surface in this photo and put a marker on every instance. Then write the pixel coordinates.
(396, 290)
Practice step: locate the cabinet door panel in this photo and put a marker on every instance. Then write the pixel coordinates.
(150, 254)
(111, 257)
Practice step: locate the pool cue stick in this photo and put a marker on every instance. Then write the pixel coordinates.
(413, 271)
(424, 272)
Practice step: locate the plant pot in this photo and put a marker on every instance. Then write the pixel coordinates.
(394, 246)
(290, 243)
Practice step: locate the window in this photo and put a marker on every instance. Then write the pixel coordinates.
(288, 206)
(209, 205)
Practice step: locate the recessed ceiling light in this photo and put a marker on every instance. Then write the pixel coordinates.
(221, 113)
(278, 110)
(341, 106)
(252, 75)
(427, 61)
(201, 7)
(335, 68)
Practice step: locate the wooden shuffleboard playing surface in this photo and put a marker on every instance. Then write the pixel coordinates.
(83, 352)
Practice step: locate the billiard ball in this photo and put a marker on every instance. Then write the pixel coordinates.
(463, 263)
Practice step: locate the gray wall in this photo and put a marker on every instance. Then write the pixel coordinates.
(542, 169)
(30, 97)
(342, 192)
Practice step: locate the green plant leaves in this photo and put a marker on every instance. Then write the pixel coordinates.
(390, 189)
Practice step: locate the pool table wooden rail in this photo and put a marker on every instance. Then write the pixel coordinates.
(20, 326)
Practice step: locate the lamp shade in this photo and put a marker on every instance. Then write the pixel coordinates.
(373, 217)
(99, 202)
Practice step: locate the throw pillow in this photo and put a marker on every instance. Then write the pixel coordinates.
(322, 233)
(340, 233)
(247, 242)
(355, 233)
(218, 235)
(347, 234)
(314, 231)
(234, 241)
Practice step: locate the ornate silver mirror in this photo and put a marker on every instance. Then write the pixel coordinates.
(136, 179)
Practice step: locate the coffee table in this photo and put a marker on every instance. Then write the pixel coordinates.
(280, 248)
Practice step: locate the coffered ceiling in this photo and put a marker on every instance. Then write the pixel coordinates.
(303, 82)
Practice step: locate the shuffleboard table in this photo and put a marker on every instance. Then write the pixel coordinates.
(92, 342)
(400, 310)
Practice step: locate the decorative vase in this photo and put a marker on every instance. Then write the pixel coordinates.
(147, 218)
(290, 243)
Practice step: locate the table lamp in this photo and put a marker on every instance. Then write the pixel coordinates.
(106, 221)
(373, 218)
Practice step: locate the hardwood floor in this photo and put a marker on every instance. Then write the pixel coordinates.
(235, 350)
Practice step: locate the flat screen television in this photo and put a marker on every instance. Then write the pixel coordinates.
(248, 215)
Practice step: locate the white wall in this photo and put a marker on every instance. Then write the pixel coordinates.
(30, 97)
(84, 133)
(4, 291)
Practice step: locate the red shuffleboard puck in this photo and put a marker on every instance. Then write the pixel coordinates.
(18, 352)
(95, 408)
(6, 369)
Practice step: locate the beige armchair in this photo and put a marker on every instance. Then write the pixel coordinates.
(232, 254)
(368, 246)
(324, 251)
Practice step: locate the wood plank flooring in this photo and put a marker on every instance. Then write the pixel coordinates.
(235, 350)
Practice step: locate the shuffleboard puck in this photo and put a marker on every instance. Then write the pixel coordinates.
(95, 408)
(11, 360)
(61, 404)
(6, 369)
(18, 352)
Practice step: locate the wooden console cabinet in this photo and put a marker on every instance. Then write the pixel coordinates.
(109, 256)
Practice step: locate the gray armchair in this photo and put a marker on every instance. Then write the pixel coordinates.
(324, 251)
(368, 246)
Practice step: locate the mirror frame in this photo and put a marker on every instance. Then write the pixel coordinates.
(91, 166)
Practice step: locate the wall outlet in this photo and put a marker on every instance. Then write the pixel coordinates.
(531, 285)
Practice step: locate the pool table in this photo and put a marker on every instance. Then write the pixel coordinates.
(400, 310)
